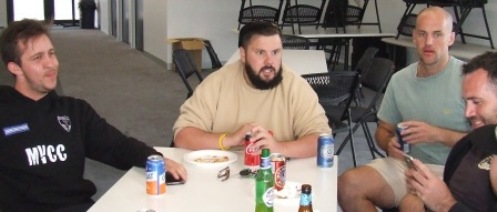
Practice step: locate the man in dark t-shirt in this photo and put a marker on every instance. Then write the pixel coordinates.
(470, 177)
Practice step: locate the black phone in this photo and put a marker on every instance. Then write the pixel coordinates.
(408, 159)
(170, 180)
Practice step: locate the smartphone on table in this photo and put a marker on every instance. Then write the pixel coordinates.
(170, 180)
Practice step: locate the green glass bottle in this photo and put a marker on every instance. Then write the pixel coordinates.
(264, 184)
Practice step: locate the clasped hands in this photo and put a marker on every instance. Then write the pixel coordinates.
(263, 137)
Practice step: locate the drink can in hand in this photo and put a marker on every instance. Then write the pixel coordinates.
(252, 157)
(403, 145)
(326, 150)
(156, 175)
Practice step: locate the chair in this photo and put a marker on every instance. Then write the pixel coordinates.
(216, 63)
(376, 79)
(354, 15)
(335, 91)
(406, 25)
(362, 67)
(301, 14)
(186, 68)
(258, 13)
(462, 9)
(295, 42)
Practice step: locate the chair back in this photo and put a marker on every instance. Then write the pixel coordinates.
(294, 42)
(379, 74)
(259, 13)
(301, 14)
(335, 91)
(216, 63)
(365, 61)
(407, 25)
(186, 67)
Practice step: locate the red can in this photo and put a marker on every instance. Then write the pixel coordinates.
(278, 162)
(252, 157)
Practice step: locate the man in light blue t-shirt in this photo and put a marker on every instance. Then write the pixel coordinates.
(425, 98)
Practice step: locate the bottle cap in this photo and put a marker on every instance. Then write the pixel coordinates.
(306, 188)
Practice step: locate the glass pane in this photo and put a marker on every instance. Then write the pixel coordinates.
(28, 9)
(63, 10)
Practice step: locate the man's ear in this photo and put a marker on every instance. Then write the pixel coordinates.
(242, 53)
(14, 68)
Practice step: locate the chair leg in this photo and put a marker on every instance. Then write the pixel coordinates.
(352, 148)
(372, 146)
(486, 25)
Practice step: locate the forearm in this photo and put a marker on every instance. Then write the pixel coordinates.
(383, 135)
(196, 139)
(300, 148)
(449, 137)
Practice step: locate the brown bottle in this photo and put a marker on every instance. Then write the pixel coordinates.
(306, 199)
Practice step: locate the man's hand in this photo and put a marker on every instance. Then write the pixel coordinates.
(394, 150)
(264, 139)
(418, 132)
(238, 137)
(427, 186)
(176, 169)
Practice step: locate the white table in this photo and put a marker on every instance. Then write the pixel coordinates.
(301, 61)
(204, 192)
(459, 50)
(345, 37)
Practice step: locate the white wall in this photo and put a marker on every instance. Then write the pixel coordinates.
(105, 16)
(155, 27)
(3, 13)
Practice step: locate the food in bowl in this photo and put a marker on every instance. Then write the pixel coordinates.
(211, 159)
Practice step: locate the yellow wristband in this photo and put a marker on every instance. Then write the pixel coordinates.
(220, 141)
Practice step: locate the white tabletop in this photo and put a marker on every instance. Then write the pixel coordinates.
(204, 192)
(330, 32)
(459, 50)
(300, 61)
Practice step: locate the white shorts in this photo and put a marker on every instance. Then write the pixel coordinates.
(392, 170)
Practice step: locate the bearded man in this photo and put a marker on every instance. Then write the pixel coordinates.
(255, 94)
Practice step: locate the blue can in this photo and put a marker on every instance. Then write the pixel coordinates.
(403, 145)
(156, 175)
(326, 150)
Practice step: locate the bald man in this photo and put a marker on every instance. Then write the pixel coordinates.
(425, 98)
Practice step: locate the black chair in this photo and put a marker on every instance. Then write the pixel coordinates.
(216, 63)
(295, 42)
(406, 25)
(301, 14)
(362, 67)
(186, 68)
(336, 92)
(462, 9)
(353, 15)
(376, 79)
(410, 5)
(258, 13)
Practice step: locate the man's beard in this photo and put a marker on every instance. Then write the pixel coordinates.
(258, 82)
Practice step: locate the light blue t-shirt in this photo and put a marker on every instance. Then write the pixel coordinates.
(436, 100)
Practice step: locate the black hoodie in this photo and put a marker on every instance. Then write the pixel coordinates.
(43, 145)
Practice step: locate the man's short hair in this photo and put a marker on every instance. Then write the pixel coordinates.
(486, 61)
(256, 28)
(19, 32)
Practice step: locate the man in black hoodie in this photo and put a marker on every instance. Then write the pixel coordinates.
(45, 138)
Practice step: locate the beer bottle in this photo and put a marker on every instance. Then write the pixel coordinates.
(264, 185)
(306, 199)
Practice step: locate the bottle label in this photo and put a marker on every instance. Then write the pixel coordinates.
(305, 199)
(268, 197)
